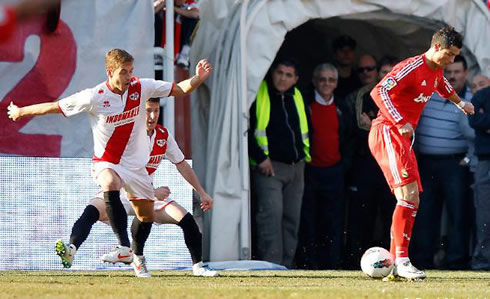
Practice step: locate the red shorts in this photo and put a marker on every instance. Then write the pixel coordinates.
(394, 155)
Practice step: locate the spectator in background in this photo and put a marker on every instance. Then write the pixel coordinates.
(344, 52)
(442, 141)
(481, 123)
(278, 148)
(186, 17)
(370, 199)
(322, 213)
(478, 82)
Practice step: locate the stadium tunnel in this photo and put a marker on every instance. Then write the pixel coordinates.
(241, 40)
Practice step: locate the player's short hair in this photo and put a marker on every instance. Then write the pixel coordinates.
(460, 58)
(324, 67)
(117, 57)
(447, 37)
(154, 100)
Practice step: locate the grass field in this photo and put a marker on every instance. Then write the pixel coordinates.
(238, 284)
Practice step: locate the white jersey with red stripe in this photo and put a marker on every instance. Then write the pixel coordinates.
(163, 145)
(403, 93)
(118, 121)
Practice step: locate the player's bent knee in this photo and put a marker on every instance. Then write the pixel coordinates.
(146, 218)
(409, 193)
(99, 204)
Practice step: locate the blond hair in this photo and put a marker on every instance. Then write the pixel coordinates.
(117, 57)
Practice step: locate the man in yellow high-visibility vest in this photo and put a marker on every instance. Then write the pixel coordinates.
(278, 147)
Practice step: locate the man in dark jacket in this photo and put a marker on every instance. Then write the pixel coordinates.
(480, 121)
(278, 146)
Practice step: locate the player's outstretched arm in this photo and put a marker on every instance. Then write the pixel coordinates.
(465, 107)
(203, 70)
(186, 171)
(14, 112)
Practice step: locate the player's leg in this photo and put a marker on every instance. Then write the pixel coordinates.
(402, 225)
(111, 183)
(396, 158)
(140, 230)
(173, 213)
(94, 211)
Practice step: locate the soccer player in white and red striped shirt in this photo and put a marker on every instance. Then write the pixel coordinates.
(116, 110)
(168, 211)
(401, 95)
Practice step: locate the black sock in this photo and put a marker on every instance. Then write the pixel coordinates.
(192, 237)
(117, 216)
(140, 232)
(81, 228)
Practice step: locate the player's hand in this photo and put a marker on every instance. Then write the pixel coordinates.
(266, 168)
(13, 111)
(468, 108)
(161, 193)
(203, 69)
(406, 130)
(206, 202)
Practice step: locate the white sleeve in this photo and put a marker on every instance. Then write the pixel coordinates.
(156, 88)
(76, 103)
(173, 153)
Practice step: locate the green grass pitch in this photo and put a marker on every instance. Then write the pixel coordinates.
(238, 284)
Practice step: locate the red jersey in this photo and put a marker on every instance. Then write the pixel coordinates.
(402, 94)
(163, 145)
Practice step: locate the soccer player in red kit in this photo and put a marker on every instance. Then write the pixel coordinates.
(401, 96)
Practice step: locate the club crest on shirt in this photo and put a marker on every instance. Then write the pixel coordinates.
(134, 96)
(389, 83)
(161, 142)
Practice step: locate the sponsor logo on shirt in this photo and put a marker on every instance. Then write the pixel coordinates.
(155, 161)
(134, 96)
(421, 98)
(389, 83)
(123, 118)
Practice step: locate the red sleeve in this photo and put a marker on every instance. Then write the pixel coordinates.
(444, 88)
(381, 95)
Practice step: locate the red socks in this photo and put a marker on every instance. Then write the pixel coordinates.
(401, 228)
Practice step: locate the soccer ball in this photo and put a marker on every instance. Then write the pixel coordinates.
(377, 262)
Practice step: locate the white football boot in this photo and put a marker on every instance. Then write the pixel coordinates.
(66, 252)
(199, 270)
(405, 270)
(139, 266)
(120, 254)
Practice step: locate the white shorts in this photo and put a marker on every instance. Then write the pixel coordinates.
(159, 204)
(137, 183)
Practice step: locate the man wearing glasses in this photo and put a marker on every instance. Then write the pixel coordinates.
(322, 212)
